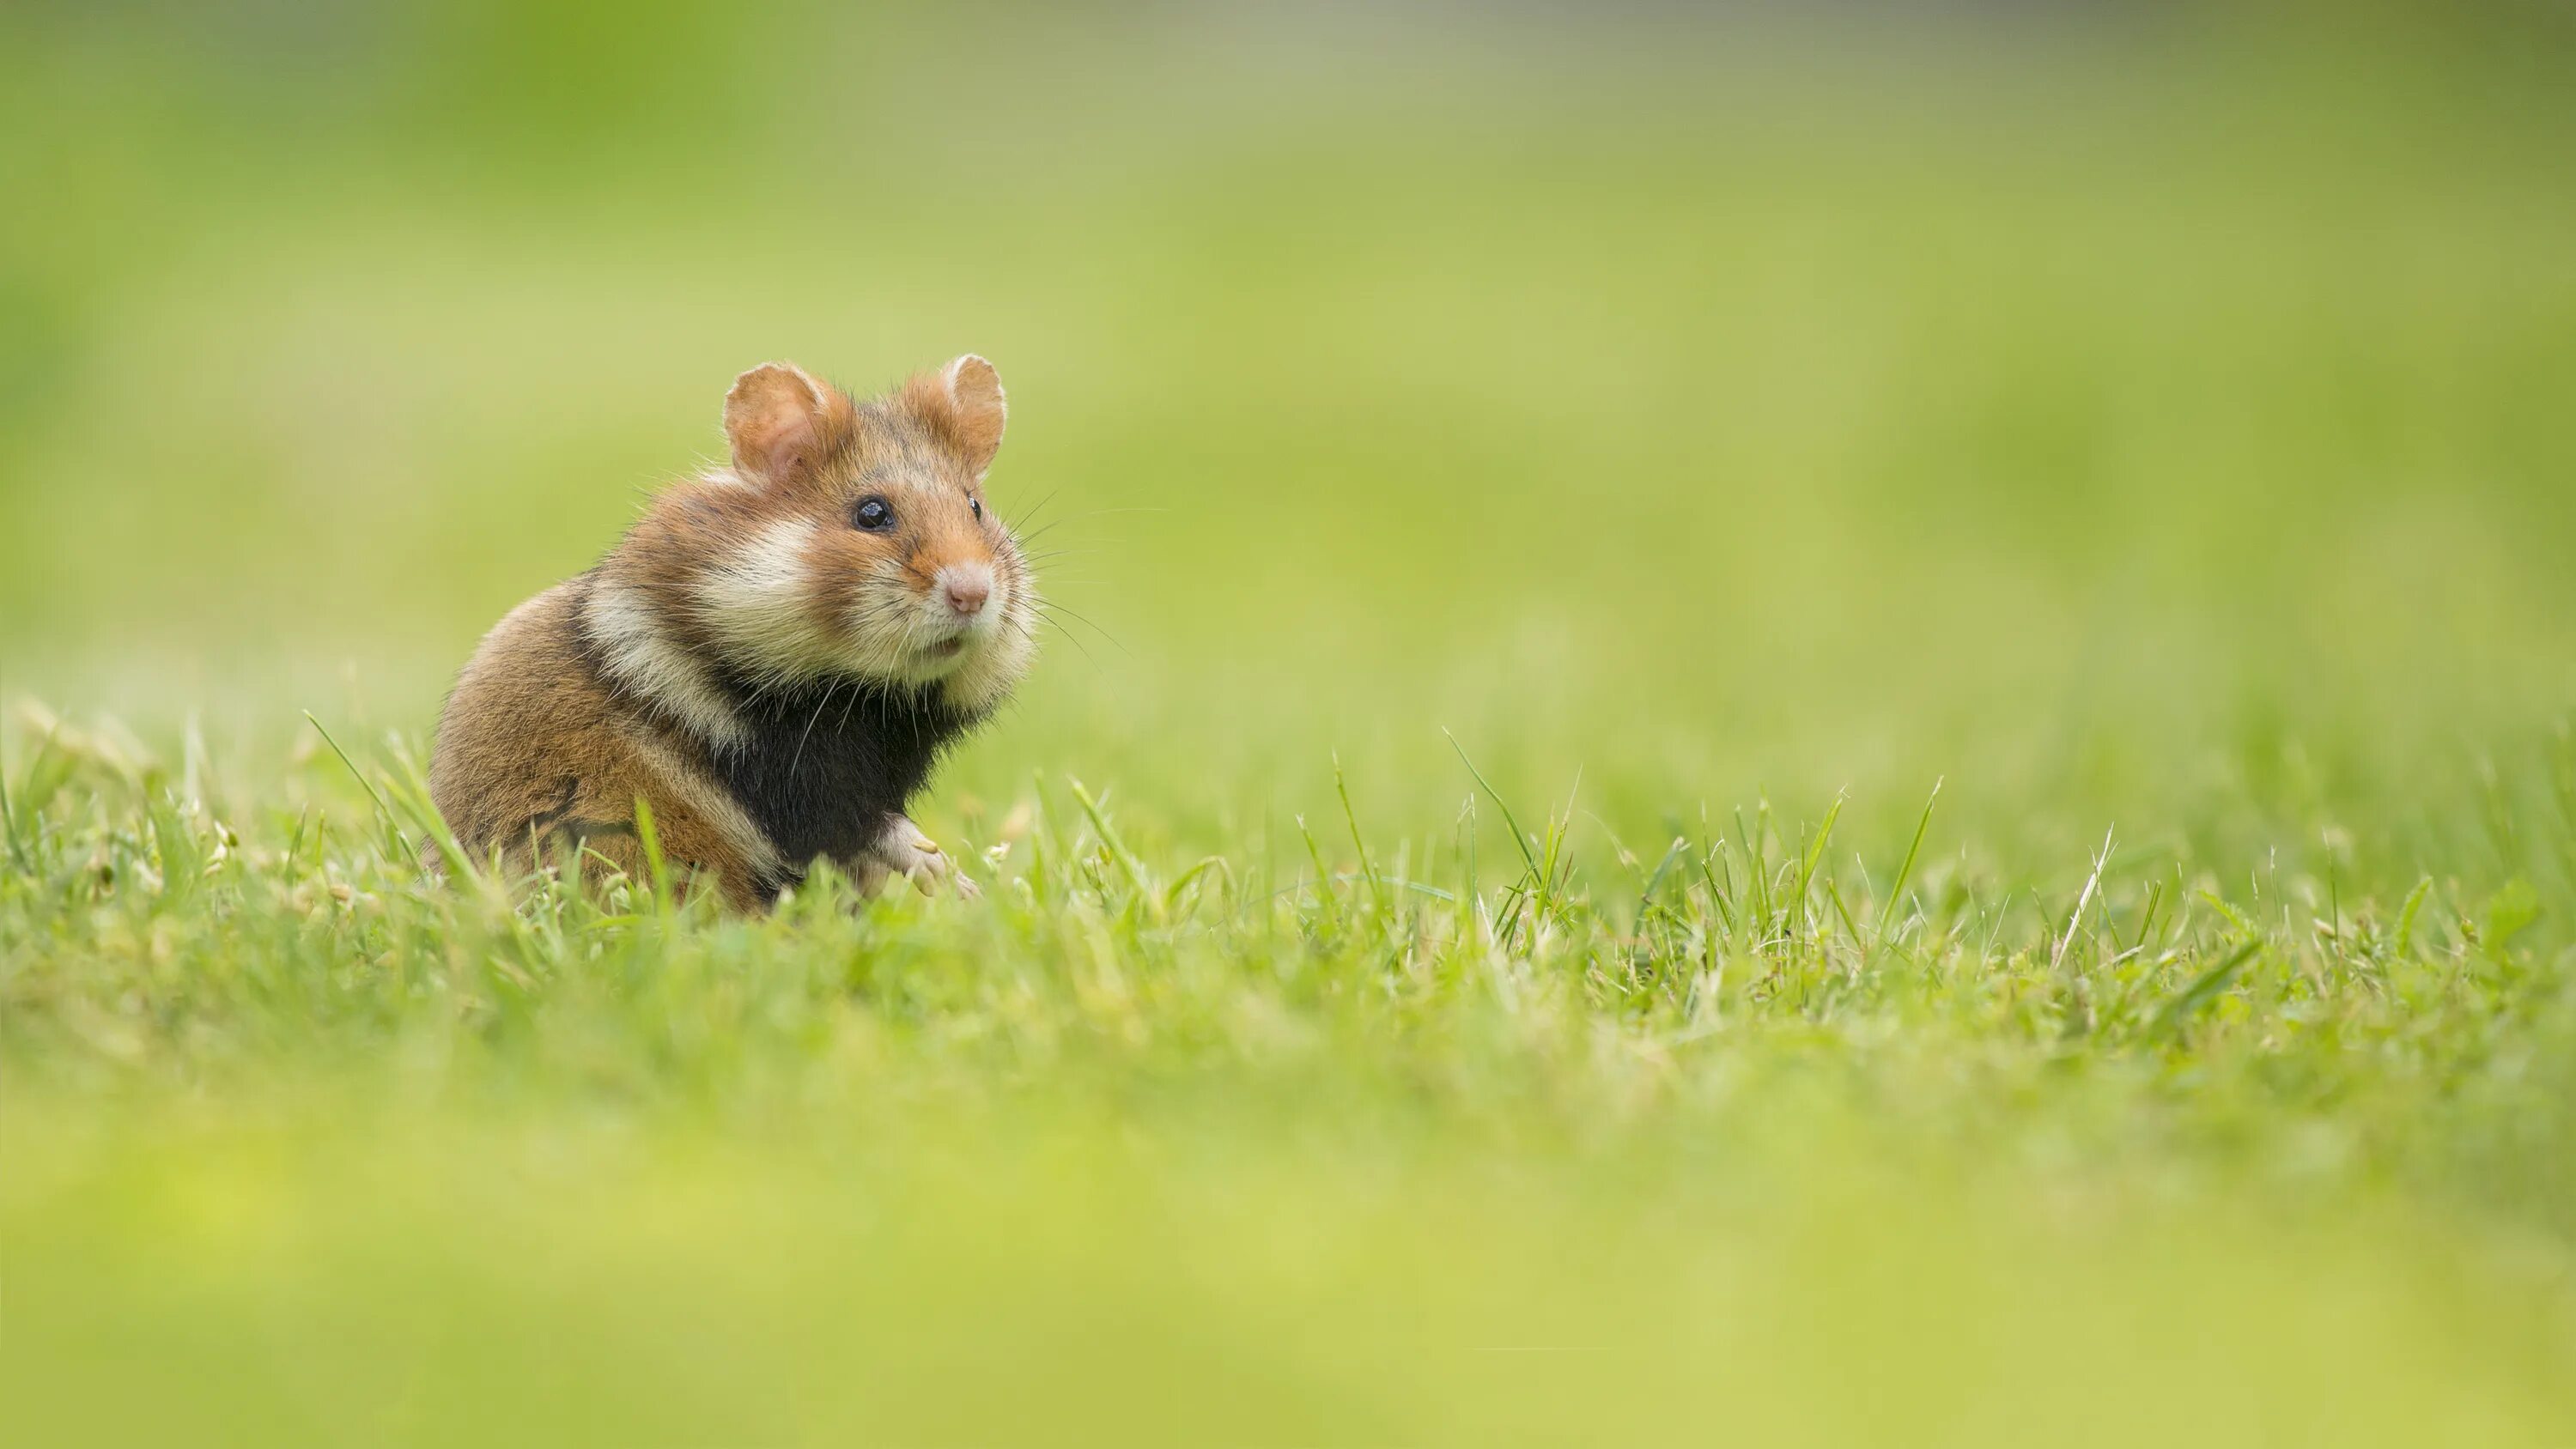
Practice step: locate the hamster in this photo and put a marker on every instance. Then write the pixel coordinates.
(773, 658)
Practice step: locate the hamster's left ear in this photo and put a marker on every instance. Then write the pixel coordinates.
(970, 393)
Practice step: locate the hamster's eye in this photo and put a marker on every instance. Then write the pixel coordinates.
(978, 505)
(872, 516)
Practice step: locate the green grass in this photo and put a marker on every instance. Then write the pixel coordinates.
(1193, 1150)
(1812, 745)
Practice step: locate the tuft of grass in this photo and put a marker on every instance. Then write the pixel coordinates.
(1119, 1107)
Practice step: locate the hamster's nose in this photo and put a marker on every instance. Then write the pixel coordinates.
(965, 587)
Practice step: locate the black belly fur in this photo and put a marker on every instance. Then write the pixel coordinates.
(827, 764)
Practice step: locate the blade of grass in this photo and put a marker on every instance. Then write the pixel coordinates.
(1807, 870)
(1518, 839)
(9, 822)
(2203, 989)
(1646, 897)
(383, 811)
(648, 837)
(1315, 854)
(2092, 883)
(2147, 922)
(1896, 888)
(1128, 865)
(1816, 848)
(1717, 894)
(1350, 816)
(2405, 943)
(1757, 879)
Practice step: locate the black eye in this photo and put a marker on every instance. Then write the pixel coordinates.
(872, 515)
(978, 505)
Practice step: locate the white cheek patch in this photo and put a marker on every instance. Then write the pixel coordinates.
(887, 625)
(759, 600)
(635, 652)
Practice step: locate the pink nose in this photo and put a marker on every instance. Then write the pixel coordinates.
(966, 592)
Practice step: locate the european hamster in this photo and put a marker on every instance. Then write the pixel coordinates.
(772, 658)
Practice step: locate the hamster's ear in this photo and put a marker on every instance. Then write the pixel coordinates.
(782, 423)
(971, 394)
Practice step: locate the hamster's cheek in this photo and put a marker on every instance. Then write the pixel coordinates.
(849, 566)
(861, 591)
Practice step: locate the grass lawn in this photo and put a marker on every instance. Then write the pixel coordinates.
(1801, 746)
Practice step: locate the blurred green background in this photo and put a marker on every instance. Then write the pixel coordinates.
(2088, 406)
(2159, 419)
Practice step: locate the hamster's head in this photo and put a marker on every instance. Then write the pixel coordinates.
(848, 539)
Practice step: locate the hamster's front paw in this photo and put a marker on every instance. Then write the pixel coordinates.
(903, 850)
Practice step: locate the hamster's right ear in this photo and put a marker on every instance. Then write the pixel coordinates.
(782, 423)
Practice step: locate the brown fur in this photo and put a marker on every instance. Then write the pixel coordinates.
(631, 682)
(537, 763)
